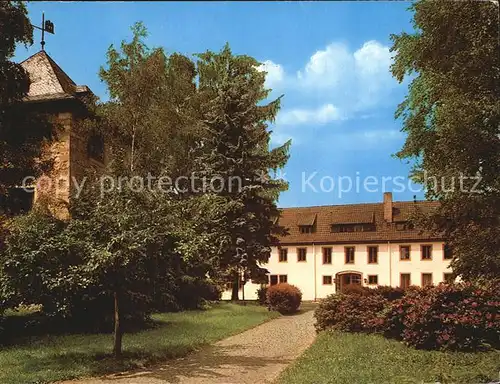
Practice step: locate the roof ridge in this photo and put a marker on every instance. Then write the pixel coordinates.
(59, 72)
(358, 204)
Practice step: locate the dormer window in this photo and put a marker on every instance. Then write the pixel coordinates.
(366, 227)
(307, 223)
(404, 226)
(306, 228)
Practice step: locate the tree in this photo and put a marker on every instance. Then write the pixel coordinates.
(123, 248)
(23, 132)
(153, 125)
(452, 118)
(236, 158)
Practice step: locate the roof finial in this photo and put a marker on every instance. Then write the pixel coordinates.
(47, 26)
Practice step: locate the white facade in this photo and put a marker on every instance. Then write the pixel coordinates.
(308, 275)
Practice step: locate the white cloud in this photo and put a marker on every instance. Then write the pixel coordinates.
(322, 115)
(326, 68)
(372, 58)
(372, 62)
(275, 73)
(352, 81)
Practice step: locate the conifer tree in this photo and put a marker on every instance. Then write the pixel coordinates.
(236, 158)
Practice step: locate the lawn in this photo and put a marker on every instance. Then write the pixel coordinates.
(359, 358)
(42, 359)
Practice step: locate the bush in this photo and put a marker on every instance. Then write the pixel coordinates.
(454, 317)
(356, 289)
(354, 312)
(284, 298)
(388, 292)
(262, 296)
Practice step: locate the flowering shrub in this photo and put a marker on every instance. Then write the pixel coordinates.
(356, 289)
(456, 317)
(388, 292)
(360, 312)
(284, 298)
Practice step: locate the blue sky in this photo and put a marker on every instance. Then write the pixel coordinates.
(329, 59)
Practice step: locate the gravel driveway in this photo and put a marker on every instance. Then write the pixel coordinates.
(254, 356)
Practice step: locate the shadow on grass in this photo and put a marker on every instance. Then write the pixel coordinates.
(161, 363)
(206, 364)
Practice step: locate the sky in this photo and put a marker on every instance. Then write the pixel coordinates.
(330, 60)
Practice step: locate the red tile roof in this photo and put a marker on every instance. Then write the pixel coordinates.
(373, 213)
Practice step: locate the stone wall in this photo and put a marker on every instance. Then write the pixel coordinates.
(53, 188)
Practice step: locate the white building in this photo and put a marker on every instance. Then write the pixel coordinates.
(328, 247)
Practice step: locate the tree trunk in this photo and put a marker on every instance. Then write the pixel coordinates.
(117, 347)
(236, 287)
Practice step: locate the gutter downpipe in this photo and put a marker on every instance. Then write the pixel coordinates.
(390, 262)
(314, 257)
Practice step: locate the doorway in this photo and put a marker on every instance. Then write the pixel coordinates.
(343, 279)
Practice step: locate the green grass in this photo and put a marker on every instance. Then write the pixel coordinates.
(42, 359)
(359, 358)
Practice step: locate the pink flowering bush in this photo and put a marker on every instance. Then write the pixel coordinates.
(455, 317)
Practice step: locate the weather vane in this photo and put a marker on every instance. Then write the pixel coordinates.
(47, 26)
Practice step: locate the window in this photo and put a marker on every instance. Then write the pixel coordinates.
(426, 279)
(327, 280)
(372, 255)
(283, 278)
(306, 229)
(327, 255)
(349, 255)
(426, 252)
(95, 147)
(404, 252)
(447, 252)
(283, 257)
(301, 254)
(448, 277)
(342, 228)
(404, 226)
(274, 279)
(353, 227)
(404, 280)
(373, 279)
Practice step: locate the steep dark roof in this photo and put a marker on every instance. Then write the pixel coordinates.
(49, 81)
(373, 213)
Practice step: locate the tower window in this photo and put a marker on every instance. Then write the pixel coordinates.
(95, 147)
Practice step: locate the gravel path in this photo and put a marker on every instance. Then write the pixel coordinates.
(254, 356)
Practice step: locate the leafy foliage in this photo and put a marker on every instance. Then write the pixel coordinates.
(262, 295)
(388, 292)
(452, 118)
(24, 132)
(353, 312)
(284, 298)
(236, 152)
(456, 317)
(129, 250)
(448, 317)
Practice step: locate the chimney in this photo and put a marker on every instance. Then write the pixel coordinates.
(388, 207)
